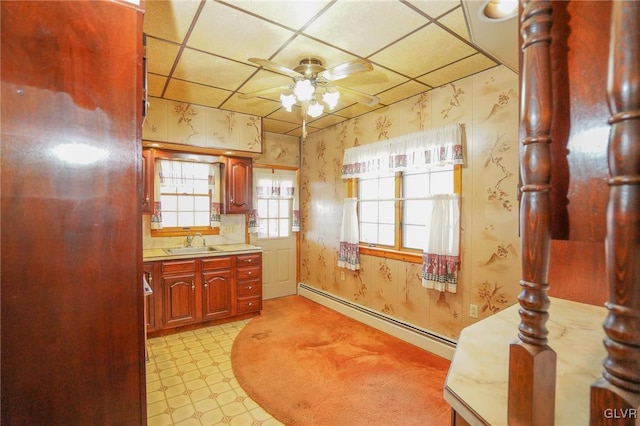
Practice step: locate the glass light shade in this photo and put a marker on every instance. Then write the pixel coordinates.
(500, 9)
(315, 109)
(331, 99)
(287, 101)
(303, 90)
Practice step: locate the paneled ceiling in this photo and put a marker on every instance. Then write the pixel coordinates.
(198, 51)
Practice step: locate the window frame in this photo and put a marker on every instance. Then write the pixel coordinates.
(172, 231)
(397, 251)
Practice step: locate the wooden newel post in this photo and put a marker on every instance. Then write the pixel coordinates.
(532, 363)
(615, 398)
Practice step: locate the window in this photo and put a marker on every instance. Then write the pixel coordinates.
(274, 197)
(184, 193)
(391, 209)
(274, 217)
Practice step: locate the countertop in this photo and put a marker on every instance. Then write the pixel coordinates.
(477, 382)
(149, 255)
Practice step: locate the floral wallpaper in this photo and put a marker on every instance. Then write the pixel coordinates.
(194, 125)
(281, 150)
(487, 103)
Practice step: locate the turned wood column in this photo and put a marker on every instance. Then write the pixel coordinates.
(615, 398)
(532, 363)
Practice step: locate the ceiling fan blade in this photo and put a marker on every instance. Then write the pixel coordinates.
(264, 92)
(346, 69)
(363, 98)
(270, 65)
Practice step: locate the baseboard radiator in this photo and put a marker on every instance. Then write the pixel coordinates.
(424, 339)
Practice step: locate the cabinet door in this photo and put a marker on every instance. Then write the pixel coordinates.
(216, 294)
(150, 300)
(179, 299)
(238, 186)
(147, 181)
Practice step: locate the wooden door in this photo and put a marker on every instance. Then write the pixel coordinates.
(216, 294)
(238, 186)
(179, 299)
(72, 303)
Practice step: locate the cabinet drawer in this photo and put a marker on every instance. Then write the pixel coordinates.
(249, 304)
(249, 259)
(216, 263)
(250, 288)
(249, 272)
(178, 266)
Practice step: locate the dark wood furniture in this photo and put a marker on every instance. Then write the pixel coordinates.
(189, 293)
(72, 299)
(237, 186)
(576, 57)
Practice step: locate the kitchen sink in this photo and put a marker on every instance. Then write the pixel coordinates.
(190, 250)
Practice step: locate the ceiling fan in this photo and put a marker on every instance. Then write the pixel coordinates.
(313, 87)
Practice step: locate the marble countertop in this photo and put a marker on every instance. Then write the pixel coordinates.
(477, 382)
(154, 254)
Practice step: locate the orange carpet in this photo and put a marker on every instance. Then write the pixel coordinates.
(309, 365)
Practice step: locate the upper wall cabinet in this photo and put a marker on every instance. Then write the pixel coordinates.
(192, 125)
(237, 186)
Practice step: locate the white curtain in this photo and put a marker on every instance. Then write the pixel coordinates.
(349, 254)
(156, 216)
(441, 257)
(411, 152)
(214, 187)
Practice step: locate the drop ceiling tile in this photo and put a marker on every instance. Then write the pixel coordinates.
(155, 84)
(295, 116)
(356, 110)
(372, 82)
(277, 126)
(435, 8)
(458, 70)
(211, 70)
(457, 23)
(195, 93)
(401, 92)
(427, 49)
(161, 56)
(303, 47)
(169, 20)
(253, 106)
(292, 14)
(364, 27)
(265, 80)
(327, 120)
(234, 34)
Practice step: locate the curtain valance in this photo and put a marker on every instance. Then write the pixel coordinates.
(414, 151)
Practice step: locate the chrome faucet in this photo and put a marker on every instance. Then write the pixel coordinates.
(191, 237)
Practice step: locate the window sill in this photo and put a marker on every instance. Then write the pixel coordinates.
(413, 257)
(180, 232)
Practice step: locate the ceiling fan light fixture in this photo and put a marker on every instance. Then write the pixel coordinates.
(304, 90)
(315, 109)
(331, 98)
(499, 10)
(287, 101)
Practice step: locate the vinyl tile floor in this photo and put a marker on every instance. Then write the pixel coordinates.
(190, 381)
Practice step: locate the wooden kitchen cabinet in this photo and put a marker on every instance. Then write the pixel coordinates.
(193, 291)
(147, 181)
(237, 186)
(216, 288)
(179, 293)
(249, 283)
